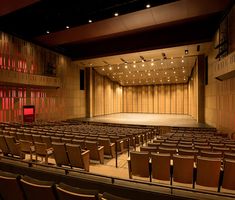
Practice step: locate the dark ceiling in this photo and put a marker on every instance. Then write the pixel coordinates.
(32, 22)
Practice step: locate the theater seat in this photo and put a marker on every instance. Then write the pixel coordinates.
(208, 172)
(3, 146)
(60, 153)
(96, 152)
(9, 186)
(108, 196)
(139, 164)
(229, 175)
(67, 192)
(109, 148)
(35, 189)
(186, 163)
(78, 157)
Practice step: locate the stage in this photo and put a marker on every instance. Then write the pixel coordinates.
(148, 119)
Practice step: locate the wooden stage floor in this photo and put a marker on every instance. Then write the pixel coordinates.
(148, 119)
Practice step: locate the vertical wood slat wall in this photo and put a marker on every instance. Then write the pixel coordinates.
(50, 103)
(167, 99)
(107, 96)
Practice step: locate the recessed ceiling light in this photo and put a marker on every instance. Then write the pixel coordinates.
(142, 60)
(110, 68)
(67, 27)
(176, 79)
(172, 62)
(48, 32)
(126, 66)
(126, 75)
(186, 51)
(116, 14)
(152, 64)
(90, 21)
(157, 74)
(174, 72)
(183, 71)
(148, 6)
(168, 80)
(103, 69)
(142, 65)
(133, 75)
(152, 59)
(129, 72)
(118, 67)
(141, 75)
(161, 63)
(113, 76)
(134, 66)
(160, 80)
(165, 72)
(182, 61)
(134, 61)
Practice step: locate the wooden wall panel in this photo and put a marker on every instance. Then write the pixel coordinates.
(173, 100)
(144, 99)
(150, 99)
(168, 99)
(185, 106)
(159, 99)
(162, 102)
(139, 96)
(180, 99)
(135, 99)
(129, 100)
(107, 97)
(22, 57)
(156, 99)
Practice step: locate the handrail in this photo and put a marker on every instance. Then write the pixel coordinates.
(113, 179)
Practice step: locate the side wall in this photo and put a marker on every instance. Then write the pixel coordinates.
(168, 99)
(107, 98)
(51, 103)
(220, 95)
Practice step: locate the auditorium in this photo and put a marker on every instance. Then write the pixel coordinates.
(117, 100)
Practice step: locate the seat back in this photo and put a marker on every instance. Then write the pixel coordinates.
(13, 146)
(75, 155)
(149, 149)
(161, 166)
(9, 186)
(67, 192)
(40, 148)
(3, 145)
(37, 138)
(106, 143)
(139, 163)
(60, 153)
(92, 146)
(36, 189)
(208, 171)
(47, 140)
(186, 163)
(229, 175)
(211, 154)
(26, 146)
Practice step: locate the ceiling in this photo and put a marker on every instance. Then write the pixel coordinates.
(162, 66)
(140, 46)
(167, 23)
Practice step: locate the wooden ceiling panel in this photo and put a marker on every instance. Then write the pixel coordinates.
(138, 19)
(13, 5)
(130, 69)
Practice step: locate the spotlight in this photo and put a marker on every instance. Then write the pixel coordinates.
(186, 51)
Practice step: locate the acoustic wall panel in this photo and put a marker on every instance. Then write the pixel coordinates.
(139, 96)
(144, 99)
(157, 99)
(108, 96)
(168, 99)
(135, 99)
(150, 99)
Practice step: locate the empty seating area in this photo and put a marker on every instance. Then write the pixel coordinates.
(186, 157)
(192, 157)
(26, 188)
(71, 145)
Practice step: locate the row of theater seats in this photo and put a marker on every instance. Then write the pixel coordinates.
(17, 187)
(206, 145)
(206, 172)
